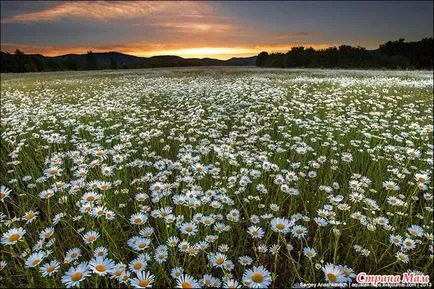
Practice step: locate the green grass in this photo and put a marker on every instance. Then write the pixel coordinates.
(158, 115)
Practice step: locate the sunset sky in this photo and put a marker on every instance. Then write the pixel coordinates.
(207, 29)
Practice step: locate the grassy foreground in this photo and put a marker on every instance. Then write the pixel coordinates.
(217, 177)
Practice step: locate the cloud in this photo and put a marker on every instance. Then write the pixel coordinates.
(104, 12)
(294, 34)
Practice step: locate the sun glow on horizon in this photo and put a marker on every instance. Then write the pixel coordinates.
(221, 53)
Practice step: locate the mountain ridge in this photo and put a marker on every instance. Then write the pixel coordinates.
(113, 60)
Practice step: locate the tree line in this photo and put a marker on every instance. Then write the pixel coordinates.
(20, 62)
(390, 55)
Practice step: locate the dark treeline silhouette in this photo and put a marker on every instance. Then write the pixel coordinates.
(20, 62)
(390, 55)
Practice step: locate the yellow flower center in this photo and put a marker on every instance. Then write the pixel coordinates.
(76, 276)
(144, 282)
(192, 250)
(100, 268)
(280, 226)
(257, 277)
(332, 277)
(36, 262)
(50, 268)
(186, 285)
(14, 237)
(137, 266)
(219, 261)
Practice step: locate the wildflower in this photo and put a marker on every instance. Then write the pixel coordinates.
(75, 275)
(35, 259)
(390, 185)
(138, 219)
(143, 280)
(72, 254)
(217, 260)
(401, 256)
(257, 277)
(245, 260)
(4, 193)
(48, 269)
(309, 252)
(138, 264)
(189, 229)
(299, 231)
(415, 230)
(12, 236)
(186, 281)
(281, 225)
(333, 274)
(52, 171)
(102, 266)
(90, 237)
(176, 272)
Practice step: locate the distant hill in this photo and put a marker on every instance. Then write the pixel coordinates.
(20, 62)
(103, 57)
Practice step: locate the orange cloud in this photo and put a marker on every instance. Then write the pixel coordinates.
(153, 49)
(103, 11)
(294, 34)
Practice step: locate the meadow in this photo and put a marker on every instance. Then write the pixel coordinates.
(214, 177)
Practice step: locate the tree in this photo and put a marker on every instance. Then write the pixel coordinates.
(19, 61)
(113, 63)
(262, 57)
(91, 61)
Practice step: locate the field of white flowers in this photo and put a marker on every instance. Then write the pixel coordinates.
(218, 177)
